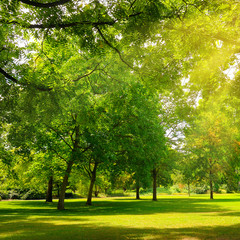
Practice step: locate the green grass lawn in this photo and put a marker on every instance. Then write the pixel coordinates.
(172, 217)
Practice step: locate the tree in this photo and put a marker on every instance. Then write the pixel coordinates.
(59, 67)
(210, 139)
(125, 134)
(98, 27)
(94, 26)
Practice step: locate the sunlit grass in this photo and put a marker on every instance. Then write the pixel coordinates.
(172, 217)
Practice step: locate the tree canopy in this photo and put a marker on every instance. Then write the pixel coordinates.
(138, 88)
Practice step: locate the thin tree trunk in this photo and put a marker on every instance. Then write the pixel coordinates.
(189, 190)
(68, 171)
(211, 184)
(49, 190)
(90, 191)
(64, 186)
(154, 175)
(137, 190)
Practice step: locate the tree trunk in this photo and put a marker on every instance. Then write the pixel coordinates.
(96, 192)
(211, 184)
(154, 175)
(189, 190)
(68, 171)
(49, 190)
(137, 190)
(64, 186)
(90, 191)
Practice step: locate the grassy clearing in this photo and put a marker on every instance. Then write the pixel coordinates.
(172, 217)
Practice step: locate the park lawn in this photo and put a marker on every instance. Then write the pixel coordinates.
(171, 217)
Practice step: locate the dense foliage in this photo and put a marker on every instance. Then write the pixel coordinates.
(98, 95)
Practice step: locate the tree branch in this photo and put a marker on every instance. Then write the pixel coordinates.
(56, 25)
(194, 5)
(132, 4)
(135, 14)
(59, 155)
(42, 88)
(86, 75)
(109, 76)
(61, 138)
(44, 5)
(88, 172)
(62, 24)
(66, 25)
(86, 148)
(8, 76)
(114, 48)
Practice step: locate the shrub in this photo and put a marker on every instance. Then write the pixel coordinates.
(14, 194)
(175, 189)
(4, 194)
(29, 194)
(201, 190)
(24, 194)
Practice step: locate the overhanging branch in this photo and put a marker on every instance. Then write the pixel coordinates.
(114, 48)
(86, 75)
(8, 76)
(45, 5)
(56, 25)
(40, 88)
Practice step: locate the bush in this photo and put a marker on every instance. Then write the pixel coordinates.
(4, 194)
(117, 193)
(145, 191)
(14, 194)
(24, 194)
(32, 194)
(72, 195)
(200, 190)
(175, 189)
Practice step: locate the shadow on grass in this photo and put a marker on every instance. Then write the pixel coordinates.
(230, 214)
(38, 220)
(118, 207)
(37, 230)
